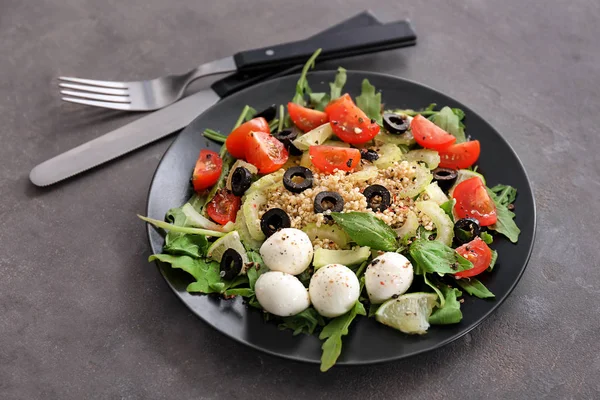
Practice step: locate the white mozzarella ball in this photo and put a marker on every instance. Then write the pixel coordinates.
(334, 290)
(288, 250)
(281, 294)
(388, 275)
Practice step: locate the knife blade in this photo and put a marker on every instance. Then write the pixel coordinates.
(149, 128)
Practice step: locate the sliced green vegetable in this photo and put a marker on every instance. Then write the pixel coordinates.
(332, 334)
(409, 229)
(314, 138)
(422, 178)
(443, 224)
(252, 203)
(405, 139)
(430, 157)
(388, 155)
(436, 194)
(368, 172)
(329, 232)
(266, 182)
(367, 230)
(348, 258)
(369, 101)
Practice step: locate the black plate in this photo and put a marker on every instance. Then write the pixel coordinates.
(368, 341)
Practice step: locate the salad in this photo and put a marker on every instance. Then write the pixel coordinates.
(330, 207)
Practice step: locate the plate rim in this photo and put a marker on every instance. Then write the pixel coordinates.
(498, 301)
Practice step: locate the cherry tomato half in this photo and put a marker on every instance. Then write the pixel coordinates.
(207, 170)
(478, 253)
(237, 141)
(460, 155)
(265, 152)
(328, 158)
(349, 122)
(223, 207)
(305, 118)
(429, 135)
(473, 201)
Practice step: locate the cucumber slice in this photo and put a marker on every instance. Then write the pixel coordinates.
(336, 143)
(405, 139)
(422, 178)
(305, 160)
(348, 258)
(315, 137)
(368, 172)
(388, 154)
(251, 205)
(463, 175)
(435, 193)
(429, 157)
(230, 241)
(409, 229)
(242, 229)
(266, 181)
(441, 220)
(331, 232)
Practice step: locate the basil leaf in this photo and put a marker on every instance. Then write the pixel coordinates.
(486, 237)
(493, 261)
(318, 100)
(338, 84)
(186, 245)
(206, 273)
(367, 230)
(450, 313)
(505, 223)
(332, 334)
(369, 101)
(449, 121)
(475, 288)
(505, 194)
(433, 256)
(257, 269)
(302, 85)
(435, 288)
(305, 322)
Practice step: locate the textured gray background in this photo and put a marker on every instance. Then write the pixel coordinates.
(82, 315)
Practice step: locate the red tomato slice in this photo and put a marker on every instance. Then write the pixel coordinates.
(304, 118)
(478, 253)
(329, 158)
(429, 135)
(460, 155)
(237, 141)
(207, 170)
(349, 122)
(473, 201)
(265, 152)
(223, 207)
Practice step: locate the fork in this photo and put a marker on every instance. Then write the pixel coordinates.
(160, 92)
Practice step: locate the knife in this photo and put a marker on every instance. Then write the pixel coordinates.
(176, 116)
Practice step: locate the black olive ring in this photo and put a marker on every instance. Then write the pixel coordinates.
(373, 191)
(368, 154)
(268, 113)
(395, 124)
(240, 181)
(274, 220)
(231, 264)
(470, 226)
(335, 199)
(287, 136)
(300, 172)
(445, 177)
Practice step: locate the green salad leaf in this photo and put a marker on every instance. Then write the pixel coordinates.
(305, 322)
(332, 334)
(459, 113)
(434, 256)
(447, 207)
(450, 313)
(367, 230)
(449, 121)
(257, 268)
(369, 101)
(505, 194)
(486, 237)
(318, 101)
(338, 84)
(180, 229)
(475, 288)
(493, 261)
(505, 224)
(186, 245)
(436, 289)
(244, 292)
(302, 85)
(206, 273)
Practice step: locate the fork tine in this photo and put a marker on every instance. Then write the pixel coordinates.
(111, 84)
(116, 106)
(92, 96)
(94, 89)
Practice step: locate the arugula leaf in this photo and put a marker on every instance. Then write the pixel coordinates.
(186, 245)
(450, 313)
(333, 332)
(505, 194)
(493, 261)
(367, 230)
(305, 322)
(505, 223)
(431, 107)
(338, 84)
(302, 85)
(449, 121)
(318, 100)
(447, 206)
(244, 292)
(475, 288)
(257, 269)
(486, 237)
(459, 113)
(435, 288)
(180, 229)
(369, 101)
(433, 256)
(206, 273)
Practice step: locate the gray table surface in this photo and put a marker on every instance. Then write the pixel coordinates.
(83, 315)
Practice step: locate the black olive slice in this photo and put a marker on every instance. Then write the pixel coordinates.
(274, 220)
(287, 137)
(298, 185)
(240, 181)
(466, 229)
(445, 177)
(331, 201)
(268, 113)
(368, 154)
(231, 264)
(378, 197)
(395, 124)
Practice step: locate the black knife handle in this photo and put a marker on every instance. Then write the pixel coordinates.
(241, 80)
(343, 44)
